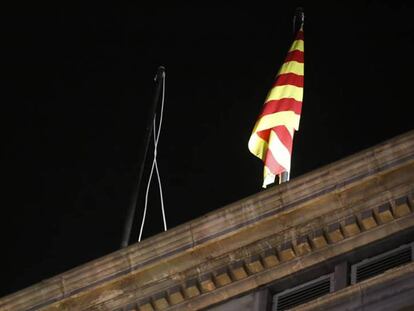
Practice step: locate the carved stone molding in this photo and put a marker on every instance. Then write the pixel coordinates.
(250, 243)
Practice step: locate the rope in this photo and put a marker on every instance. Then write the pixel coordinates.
(156, 136)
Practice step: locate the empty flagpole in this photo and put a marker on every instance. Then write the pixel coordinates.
(156, 136)
(134, 198)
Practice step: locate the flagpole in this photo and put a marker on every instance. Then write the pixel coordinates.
(299, 16)
(284, 177)
(134, 198)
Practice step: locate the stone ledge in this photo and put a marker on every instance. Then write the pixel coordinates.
(241, 229)
(256, 266)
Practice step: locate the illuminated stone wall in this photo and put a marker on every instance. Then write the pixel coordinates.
(243, 253)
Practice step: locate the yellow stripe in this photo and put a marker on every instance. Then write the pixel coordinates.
(286, 118)
(292, 67)
(297, 45)
(285, 91)
(257, 146)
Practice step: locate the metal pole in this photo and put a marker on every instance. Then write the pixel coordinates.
(134, 198)
(298, 20)
(284, 177)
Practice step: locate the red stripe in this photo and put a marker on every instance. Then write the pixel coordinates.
(289, 79)
(285, 104)
(271, 163)
(264, 135)
(295, 55)
(284, 136)
(300, 35)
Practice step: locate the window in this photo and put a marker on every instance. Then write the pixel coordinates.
(303, 293)
(370, 267)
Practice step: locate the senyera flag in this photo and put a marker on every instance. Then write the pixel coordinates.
(272, 135)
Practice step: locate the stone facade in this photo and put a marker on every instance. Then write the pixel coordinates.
(237, 257)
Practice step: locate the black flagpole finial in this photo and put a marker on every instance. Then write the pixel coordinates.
(301, 14)
(298, 19)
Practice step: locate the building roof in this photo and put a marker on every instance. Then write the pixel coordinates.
(248, 244)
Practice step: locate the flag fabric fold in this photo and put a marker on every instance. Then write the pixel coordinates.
(272, 135)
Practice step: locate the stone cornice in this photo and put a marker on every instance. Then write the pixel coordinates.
(246, 244)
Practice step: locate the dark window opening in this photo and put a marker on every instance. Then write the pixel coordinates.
(371, 267)
(303, 293)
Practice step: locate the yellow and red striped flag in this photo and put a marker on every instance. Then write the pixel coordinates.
(272, 135)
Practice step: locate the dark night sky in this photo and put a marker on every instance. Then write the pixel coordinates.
(78, 86)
